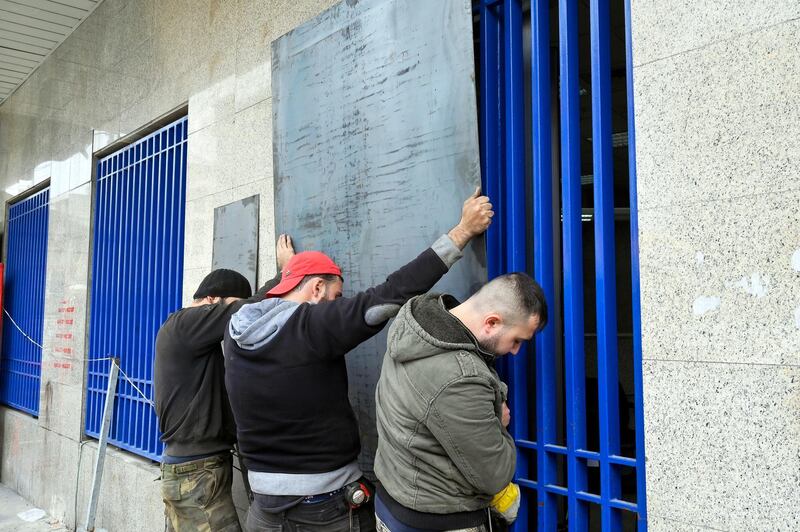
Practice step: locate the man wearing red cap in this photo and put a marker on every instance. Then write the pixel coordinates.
(287, 381)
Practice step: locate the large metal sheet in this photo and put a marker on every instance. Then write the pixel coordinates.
(376, 147)
(236, 238)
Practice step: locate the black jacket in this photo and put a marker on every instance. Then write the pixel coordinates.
(287, 378)
(194, 415)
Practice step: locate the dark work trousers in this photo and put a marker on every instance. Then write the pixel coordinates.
(331, 515)
(387, 522)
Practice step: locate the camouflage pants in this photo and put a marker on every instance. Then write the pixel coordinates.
(197, 495)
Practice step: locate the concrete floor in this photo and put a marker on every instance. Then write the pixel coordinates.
(11, 504)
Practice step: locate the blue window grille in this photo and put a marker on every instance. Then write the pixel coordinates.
(137, 275)
(549, 396)
(23, 301)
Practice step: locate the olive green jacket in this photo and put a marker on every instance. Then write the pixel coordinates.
(441, 445)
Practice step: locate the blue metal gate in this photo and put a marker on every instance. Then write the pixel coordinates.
(554, 475)
(137, 275)
(23, 302)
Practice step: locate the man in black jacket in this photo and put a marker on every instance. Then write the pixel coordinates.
(194, 415)
(287, 380)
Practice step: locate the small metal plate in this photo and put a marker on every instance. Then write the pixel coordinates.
(236, 238)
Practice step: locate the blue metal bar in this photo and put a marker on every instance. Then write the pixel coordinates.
(102, 331)
(25, 348)
(145, 440)
(491, 136)
(543, 257)
(641, 492)
(107, 282)
(123, 350)
(493, 114)
(152, 314)
(624, 505)
(515, 221)
(148, 430)
(556, 490)
(527, 444)
(23, 367)
(143, 370)
(557, 449)
(44, 223)
(25, 354)
(97, 190)
(123, 337)
(605, 263)
(31, 379)
(161, 214)
(99, 240)
(138, 407)
(515, 137)
(574, 356)
(589, 497)
(614, 458)
(623, 461)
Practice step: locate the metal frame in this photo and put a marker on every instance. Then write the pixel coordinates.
(23, 296)
(137, 278)
(502, 108)
(641, 489)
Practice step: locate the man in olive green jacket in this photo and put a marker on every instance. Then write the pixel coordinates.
(443, 449)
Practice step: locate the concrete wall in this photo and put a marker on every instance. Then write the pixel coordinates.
(718, 160)
(129, 63)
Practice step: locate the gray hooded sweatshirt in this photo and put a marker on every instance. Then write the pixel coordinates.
(442, 448)
(286, 377)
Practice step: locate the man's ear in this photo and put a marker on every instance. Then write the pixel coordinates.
(317, 287)
(492, 322)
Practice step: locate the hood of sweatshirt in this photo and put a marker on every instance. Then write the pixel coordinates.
(255, 324)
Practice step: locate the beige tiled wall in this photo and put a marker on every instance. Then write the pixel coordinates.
(129, 63)
(718, 163)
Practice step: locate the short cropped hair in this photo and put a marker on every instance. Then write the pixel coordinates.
(327, 277)
(515, 296)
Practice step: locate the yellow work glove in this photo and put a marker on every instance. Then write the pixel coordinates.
(506, 503)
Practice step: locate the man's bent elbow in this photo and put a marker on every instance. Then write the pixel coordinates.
(501, 473)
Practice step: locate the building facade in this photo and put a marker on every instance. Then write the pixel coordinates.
(709, 340)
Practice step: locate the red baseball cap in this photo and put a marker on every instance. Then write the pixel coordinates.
(300, 265)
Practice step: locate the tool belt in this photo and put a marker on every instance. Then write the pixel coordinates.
(354, 495)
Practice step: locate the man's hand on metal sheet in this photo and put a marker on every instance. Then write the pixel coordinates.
(284, 250)
(476, 216)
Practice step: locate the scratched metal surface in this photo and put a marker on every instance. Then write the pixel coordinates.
(236, 238)
(375, 148)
